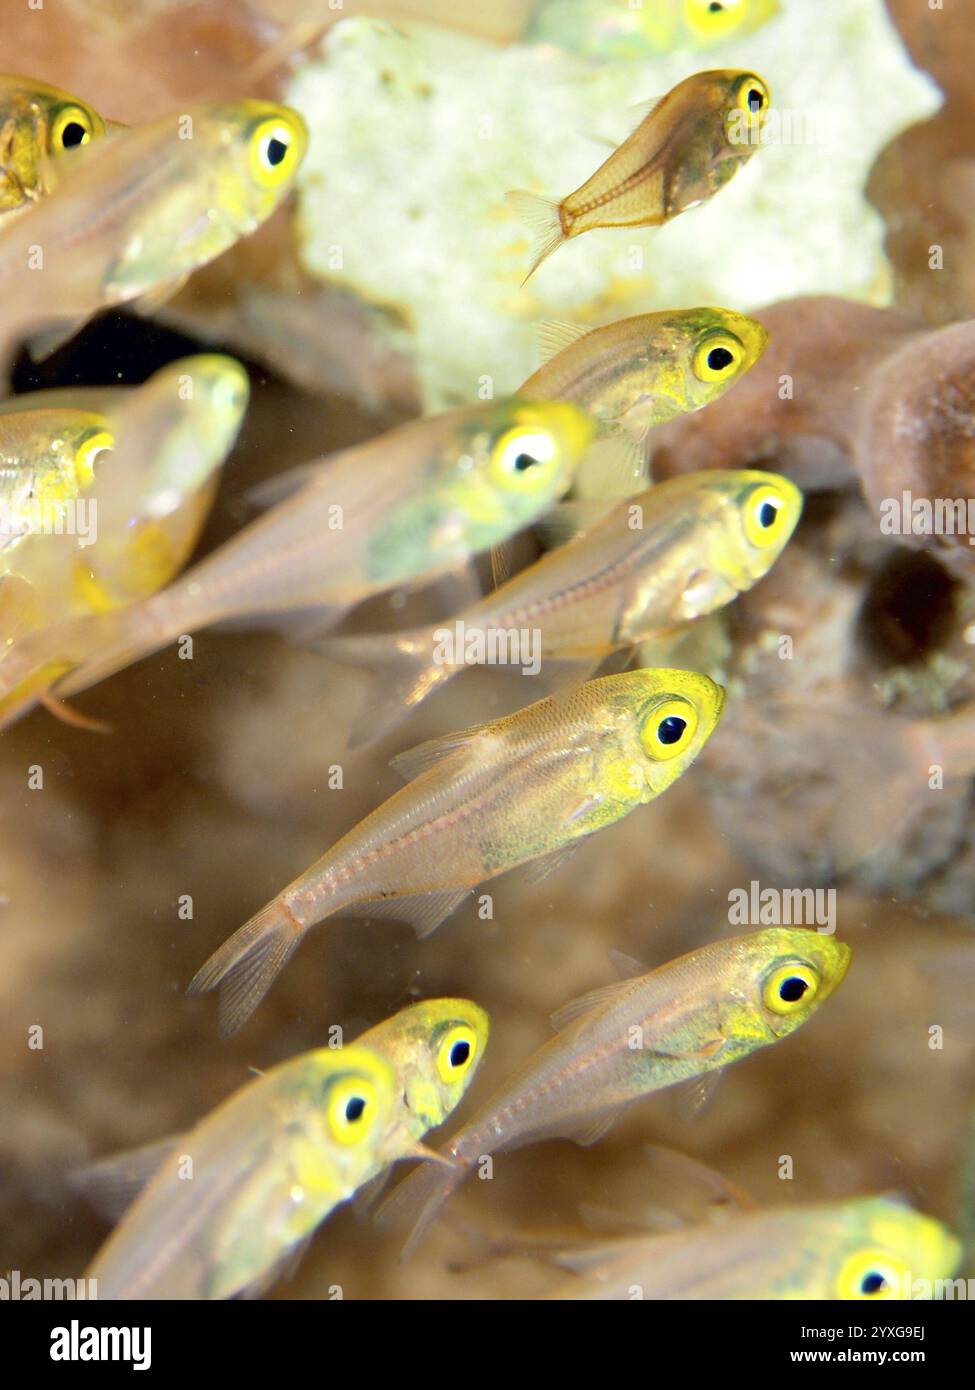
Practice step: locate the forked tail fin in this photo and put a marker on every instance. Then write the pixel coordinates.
(544, 217)
(417, 1201)
(247, 964)
(406, 671)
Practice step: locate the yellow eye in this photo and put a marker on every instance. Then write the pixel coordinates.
(790, 987)
(352, 1107)
(765, 516)
(274, 153)
(718, 357)
(753, 97)
(88, 455)
(72, 126)
(524, 459)
(668, 729)
(457, 1053)
(872, 1274)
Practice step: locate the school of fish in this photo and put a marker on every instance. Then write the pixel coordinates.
(104, 493)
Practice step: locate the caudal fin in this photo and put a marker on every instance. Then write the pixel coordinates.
(543, 216)
(417, 1201)
(247, 964)
(406, 671)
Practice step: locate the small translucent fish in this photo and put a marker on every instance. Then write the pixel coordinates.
(622, 1042)
(693, 141)
(540, 781)
(38, 123)
(664, 557)
(134, 524)
(623, 30)
(701, 23)
(403, 508)
(134, 215)
(866, 1249)
(47, 458)
(225, 1206)
(305, 22)
(639, 372)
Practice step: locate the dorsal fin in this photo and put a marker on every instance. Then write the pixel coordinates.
(628, 967)
(640, 110)
(587, 1003)
(412, 761)
(553, 335)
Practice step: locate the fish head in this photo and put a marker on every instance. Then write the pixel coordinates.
(745, 99)
(665, 718)
(713, 348)
(717, 21)
(258, 149)
(435, 1048)
(508, 462)
(38, 124)
(180, 426)
(885, 1246)
(747, 517)
(783, 974)
(351, 1096)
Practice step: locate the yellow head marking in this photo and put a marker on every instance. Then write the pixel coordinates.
(353, 1107)
(871, 1274)
(791, 987)
(668, 728)
(457, 1053)
(539, 448)
(767, 515)
(89, 452)
(277, 146)
(753, 96)
(718, 357)
(74, 125)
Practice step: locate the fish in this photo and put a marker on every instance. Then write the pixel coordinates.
(666, 556)
(145, 507)
(702, 23)
(639, 372)
(224, 1207)
(38, 122)
(864, 1249)
(47, 458)
(623, 30)
(690, 144)
(627, 1040)
(404, 508)
(133, 216)
(305, 24)
(524, 788)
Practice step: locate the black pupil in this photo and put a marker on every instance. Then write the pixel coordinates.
(873, 1283)
(716, 6)
(671, 729)
(719, 359)
(792, 989)
(755, 100)
(767, 514)
(459, 1053)
(73, 134)
(355, 1108)
(276, 151)
(523, 462)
